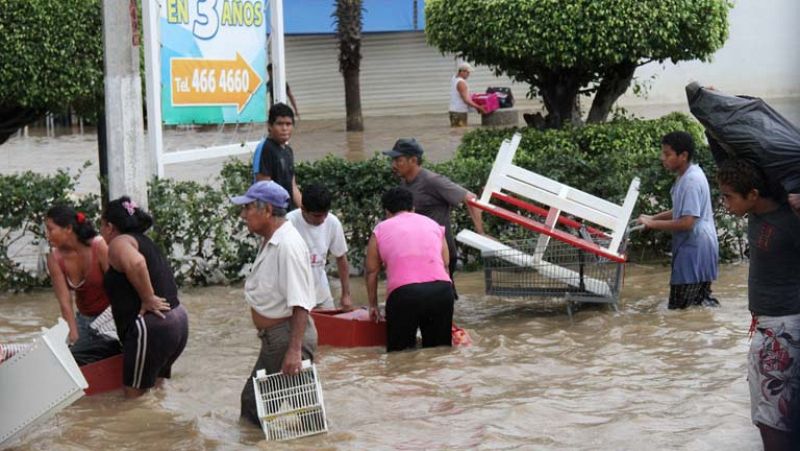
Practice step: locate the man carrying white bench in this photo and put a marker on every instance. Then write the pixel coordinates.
(434, 195)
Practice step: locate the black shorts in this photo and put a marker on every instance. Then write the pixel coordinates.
(686, 295)
(425, 306)
(151, 345)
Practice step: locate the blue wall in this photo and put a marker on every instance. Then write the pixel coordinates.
(314, 16)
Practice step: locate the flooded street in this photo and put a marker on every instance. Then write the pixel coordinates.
(640, 378)
(643, 378)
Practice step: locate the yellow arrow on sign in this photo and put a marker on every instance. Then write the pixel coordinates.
(206, 82)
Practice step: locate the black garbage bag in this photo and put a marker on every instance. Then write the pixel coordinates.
(747, 127)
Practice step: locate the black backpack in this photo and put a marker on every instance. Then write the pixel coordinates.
(504, 96)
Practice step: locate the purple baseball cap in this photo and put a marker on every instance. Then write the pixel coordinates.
(265, 191)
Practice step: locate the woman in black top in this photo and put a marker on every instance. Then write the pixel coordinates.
(151, 323)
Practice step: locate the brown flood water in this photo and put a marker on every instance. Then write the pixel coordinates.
(642, 378)
(312, 140)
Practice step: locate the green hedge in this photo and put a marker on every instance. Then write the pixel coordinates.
(357, 188)
(24, 201)
(207, 242)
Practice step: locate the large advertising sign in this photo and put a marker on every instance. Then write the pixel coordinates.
(213, 61)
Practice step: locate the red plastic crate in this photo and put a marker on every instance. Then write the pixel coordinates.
(489, 102)
(348, 329)
(104, 375)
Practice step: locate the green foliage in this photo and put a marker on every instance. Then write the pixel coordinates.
(196, 226)
(24, 200)
(521, 36)
(52, 54)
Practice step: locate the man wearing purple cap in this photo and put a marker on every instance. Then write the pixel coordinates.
(279, 289)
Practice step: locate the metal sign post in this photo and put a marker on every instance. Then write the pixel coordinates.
(277, 50)
(152, 66)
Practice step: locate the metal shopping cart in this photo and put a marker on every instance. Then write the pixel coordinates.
(560, 271)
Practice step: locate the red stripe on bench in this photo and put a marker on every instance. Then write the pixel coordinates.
(538, 227)
(543, 212)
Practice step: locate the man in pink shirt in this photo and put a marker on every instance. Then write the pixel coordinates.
(419, 290)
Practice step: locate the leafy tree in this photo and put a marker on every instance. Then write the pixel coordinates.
(52, 58)
(349, 22)
(565, 48)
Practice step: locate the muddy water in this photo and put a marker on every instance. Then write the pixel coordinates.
(643, 378)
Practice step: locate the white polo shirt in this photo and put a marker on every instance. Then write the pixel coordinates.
(281, 277)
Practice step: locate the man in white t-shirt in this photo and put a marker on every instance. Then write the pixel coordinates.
(323, 233)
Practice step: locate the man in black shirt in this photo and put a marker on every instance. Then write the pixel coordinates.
(773, 291)
(274, 159)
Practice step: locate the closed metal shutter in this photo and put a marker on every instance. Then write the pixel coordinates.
(400, 75)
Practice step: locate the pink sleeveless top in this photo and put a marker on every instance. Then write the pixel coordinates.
(410, 245)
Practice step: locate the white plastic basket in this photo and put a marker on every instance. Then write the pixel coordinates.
(290, 406)
(37, 382)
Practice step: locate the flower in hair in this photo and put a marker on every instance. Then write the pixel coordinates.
(80, 217)
(129, 206)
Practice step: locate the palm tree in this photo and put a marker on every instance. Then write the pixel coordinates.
(349, 21)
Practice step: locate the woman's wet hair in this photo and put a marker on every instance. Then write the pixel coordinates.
(397, 199)
(126, 216)
(64, 216)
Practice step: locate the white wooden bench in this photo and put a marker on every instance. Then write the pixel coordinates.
(513, 185)
(601, 224)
